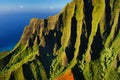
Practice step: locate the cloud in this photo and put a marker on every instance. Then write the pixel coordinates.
(21, 6)
(51, 7)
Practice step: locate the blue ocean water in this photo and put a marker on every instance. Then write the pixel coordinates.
(12, 24)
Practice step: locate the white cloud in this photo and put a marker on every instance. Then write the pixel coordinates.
(51, 7)
(21, 6)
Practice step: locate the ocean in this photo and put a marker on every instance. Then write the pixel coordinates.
(12, 24)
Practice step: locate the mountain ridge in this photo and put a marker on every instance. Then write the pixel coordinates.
(82, 40)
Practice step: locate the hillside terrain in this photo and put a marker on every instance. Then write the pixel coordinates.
(82, 42)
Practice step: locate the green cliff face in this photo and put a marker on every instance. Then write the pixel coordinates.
(84, 38)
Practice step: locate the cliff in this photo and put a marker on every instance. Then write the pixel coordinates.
(80, 43)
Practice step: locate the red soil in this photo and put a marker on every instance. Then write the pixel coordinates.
(67, 76)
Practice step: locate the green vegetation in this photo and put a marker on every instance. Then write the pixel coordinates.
(67, 15)
(38, 70)
(18, 74)
(79, 17)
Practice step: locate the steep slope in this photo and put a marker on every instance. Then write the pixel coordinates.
(80, 43)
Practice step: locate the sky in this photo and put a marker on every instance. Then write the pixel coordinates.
(17, 13)
(11, 5)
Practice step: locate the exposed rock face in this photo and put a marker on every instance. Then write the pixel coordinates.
(84, 38)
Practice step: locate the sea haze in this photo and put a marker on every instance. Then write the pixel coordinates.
(12, 24)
